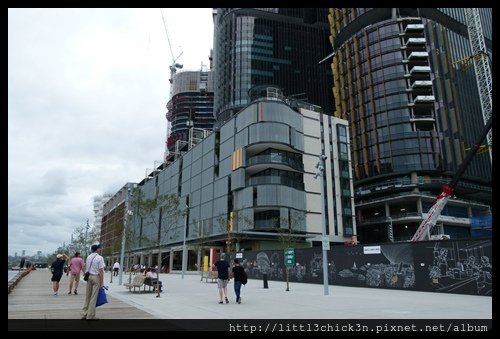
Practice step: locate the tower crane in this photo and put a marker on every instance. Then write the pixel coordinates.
(484, 84)
(175, 65)
(481, 65)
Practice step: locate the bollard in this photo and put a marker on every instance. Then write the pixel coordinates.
(264, 277)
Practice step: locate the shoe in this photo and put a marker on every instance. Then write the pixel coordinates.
(69, 292)
(239, 301)
(83, 318)
(227, 301)
(75, 292)
(220, 302)
(55, 294)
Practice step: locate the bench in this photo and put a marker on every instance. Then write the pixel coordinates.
(149, 282)
(136, 283)
(211, 275)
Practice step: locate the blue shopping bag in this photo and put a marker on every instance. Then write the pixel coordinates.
(101, 297)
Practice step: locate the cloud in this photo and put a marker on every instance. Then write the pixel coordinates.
(87, 90)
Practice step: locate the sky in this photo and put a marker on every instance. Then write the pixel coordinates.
(87, 95)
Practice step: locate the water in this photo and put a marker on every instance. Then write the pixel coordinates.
(11, 274)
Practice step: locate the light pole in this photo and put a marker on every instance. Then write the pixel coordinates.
(87, 239)
(124, 230)
(184, 252)
(321, 168)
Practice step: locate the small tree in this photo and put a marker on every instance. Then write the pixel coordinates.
(229, 223)
(163, 212)
(286, 234)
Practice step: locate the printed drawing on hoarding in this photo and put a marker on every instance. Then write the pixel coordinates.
(456, 268)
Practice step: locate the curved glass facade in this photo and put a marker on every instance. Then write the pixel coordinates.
(275, 46)
(412, 112)
(379, 89)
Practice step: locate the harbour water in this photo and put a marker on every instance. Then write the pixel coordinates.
(11, 274)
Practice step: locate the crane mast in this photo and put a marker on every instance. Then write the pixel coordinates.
(481, 66)
(175, 65)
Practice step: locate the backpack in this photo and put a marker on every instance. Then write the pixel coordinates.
(244, 278)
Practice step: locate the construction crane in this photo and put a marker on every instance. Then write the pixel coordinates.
(425, 228)
(481, 65)
(484, 84)
(175, 65)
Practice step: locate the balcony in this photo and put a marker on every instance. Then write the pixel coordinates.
(273, 179)
(288, 162)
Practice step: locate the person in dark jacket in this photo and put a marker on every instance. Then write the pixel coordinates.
(237, 274)
(57, 269)
(222, 267)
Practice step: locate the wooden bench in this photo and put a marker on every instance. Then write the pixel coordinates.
(210, 275)
(136, 283)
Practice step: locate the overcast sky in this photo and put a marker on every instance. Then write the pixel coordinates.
(87, 90)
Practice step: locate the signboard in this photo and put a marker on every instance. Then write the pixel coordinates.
(290, 257)
(371, 250)
(239, 255)
(326, 243)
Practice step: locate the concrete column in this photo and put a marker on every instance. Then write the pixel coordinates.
(171, 260)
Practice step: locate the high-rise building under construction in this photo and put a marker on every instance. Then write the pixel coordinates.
(401, 79)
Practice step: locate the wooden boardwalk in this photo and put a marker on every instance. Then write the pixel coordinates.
(33, 298)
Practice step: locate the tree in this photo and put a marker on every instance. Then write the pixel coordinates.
(287, 235)
(230, 224)
(163, 212)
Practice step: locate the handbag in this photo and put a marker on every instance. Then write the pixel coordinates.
(101, 297)
(86, 276)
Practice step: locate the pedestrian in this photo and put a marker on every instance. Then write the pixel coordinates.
(76, 265)
(238, 277)
(95, 266)
(57, 269)
(223, 268)
(116, 268)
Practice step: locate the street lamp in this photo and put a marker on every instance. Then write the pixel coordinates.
(324, 238)
(87, 239)
(124, 230)
(184, 252)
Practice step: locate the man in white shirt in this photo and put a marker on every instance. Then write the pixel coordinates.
(95, 266)
(116, 268)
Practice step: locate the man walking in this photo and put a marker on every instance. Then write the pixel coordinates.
(76, 265)
(222, 267)
(238, 272)
(95, 264)
(116, 268)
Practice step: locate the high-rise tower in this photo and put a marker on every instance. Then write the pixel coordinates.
(270, 46)
(413, 112)
(190, 109)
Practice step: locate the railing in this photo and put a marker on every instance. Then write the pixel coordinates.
(276, 158)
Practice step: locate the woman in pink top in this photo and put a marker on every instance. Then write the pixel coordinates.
(76, 265)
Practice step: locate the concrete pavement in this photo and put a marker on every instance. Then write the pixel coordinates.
(190, 298)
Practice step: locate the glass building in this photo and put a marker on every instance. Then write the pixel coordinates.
(413, 112)
(247, 183)
(277, 46)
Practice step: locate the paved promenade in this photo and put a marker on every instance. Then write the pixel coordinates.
(190, 298)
